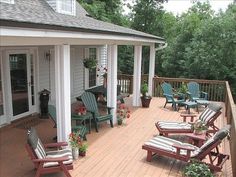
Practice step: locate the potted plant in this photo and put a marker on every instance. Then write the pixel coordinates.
(197, 169)
(199, 127)
(82, 149)
(182, 91)
(145, 98)
(90, 63)
(123, 113)
(75, 141)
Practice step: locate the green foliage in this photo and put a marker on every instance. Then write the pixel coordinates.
(197, 169)
(83, 147)
(90, 63)
(144, 89)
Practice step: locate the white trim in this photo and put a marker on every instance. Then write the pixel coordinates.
(8, 86)
(63, 91)
(3, 118)
(8, 1)
(151, 69)
(112, 79)
(74, 36)
(137, 75)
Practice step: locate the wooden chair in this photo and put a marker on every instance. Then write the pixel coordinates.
(165, 146)
(208, 116)
(195, 93)
(169, 95)
(81, 128)
(90, 103)
(48, 161)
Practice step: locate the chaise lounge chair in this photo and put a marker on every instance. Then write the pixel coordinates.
(48, 161)
(208, 116)
(165, 146)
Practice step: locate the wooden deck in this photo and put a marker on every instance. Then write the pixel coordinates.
(113, 152)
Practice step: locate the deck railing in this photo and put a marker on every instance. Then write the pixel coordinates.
(217, 91)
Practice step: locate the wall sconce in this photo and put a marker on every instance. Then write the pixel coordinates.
(47, 55)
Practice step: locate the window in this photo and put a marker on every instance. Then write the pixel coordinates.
(67, 7)
(8, 1)
(93, 72)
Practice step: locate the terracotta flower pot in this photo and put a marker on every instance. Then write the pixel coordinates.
(82, 153)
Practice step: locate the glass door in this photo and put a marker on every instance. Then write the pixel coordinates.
(20, 84)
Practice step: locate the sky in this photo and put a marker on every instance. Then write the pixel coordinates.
(179, 6)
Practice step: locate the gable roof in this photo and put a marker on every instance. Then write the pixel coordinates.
(38, 14)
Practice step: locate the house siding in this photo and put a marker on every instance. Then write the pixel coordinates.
(47, 72)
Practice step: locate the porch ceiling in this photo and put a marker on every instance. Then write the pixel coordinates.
(27, 36)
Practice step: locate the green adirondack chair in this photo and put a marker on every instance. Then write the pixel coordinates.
(169, 95)
(195, 93)
(90, 103)
(82, 129)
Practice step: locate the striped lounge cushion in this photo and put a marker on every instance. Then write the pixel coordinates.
(174, 125)
(164, 143)
(58, 153)
(206, 115)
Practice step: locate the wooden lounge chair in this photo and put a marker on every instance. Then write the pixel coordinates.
(48, 161)
(165, 146)
(81, 128)
(90, 103)
(208, 116)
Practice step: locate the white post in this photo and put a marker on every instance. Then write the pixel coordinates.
(151, 68)
(137, 75)
(112, 79)
(63, 101)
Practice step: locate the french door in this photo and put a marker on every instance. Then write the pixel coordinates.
(20, 67)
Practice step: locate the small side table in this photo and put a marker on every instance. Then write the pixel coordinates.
(197, 139)
(83, 118)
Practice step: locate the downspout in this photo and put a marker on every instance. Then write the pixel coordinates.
(161, 47)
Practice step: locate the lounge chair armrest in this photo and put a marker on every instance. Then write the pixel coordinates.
(204, 95)
(167, 95)
(185, 116)
(59, 144)
(109, 109)
(186, 147)
(57, 159)
(181, 147)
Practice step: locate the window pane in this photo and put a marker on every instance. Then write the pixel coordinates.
(66, 5)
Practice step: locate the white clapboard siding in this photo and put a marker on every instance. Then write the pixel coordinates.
(46, 71)
(102, 62)
(77, 72)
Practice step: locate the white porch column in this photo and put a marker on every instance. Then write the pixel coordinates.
(137, 75)
(62, 82)
(112, 79)
(151, 68)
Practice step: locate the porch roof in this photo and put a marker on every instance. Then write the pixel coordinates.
(38, 14)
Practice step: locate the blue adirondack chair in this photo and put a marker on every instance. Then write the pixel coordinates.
(90, 103)
(195, 93)
(82, 129)
(169, 95)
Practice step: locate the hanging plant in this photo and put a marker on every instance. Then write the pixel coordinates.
(90, 63)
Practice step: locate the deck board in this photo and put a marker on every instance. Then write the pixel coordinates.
(112, 152)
